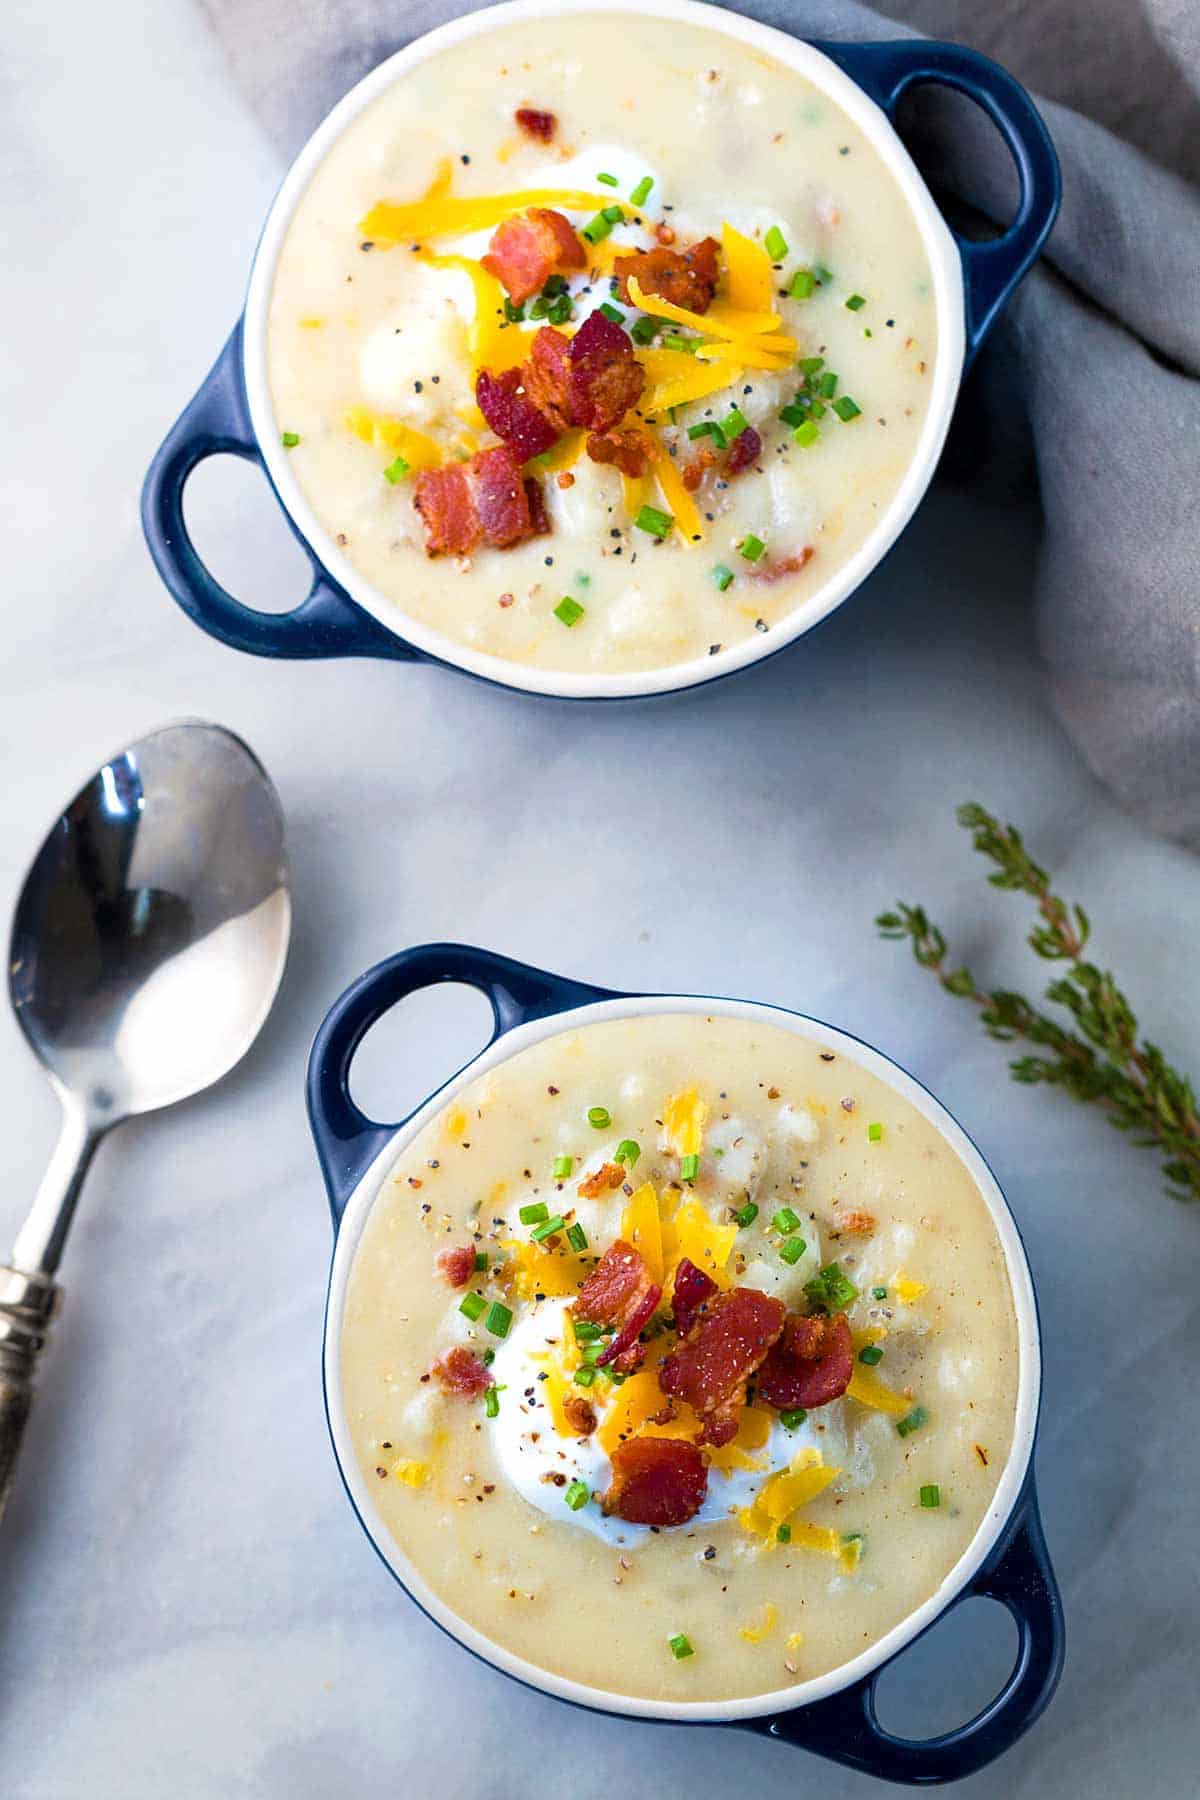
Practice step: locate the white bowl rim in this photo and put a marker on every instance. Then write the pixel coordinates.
(1008, 1489)
(945, 266)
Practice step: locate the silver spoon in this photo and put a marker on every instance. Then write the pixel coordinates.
(147, 948)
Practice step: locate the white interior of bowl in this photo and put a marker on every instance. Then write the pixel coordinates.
(948, 290)
(1028, 1382)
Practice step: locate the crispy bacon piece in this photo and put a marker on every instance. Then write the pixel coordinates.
(512, 415)
(579, 1414)
(619, 1292)
(856, 1223)
(443, 499)
(528, 248)
(606, 378)
(486, 499)
(692, 1288)
(710, 1368)
(626, 450)
(656, 1481)
(462, 1372)
(607, 1177)
(535, 123)
(744, 451)
(457, 1265)
(785, 565)
(683, 277)
(810, 1365)
(695, 471)
(539, 522)
(546, 377)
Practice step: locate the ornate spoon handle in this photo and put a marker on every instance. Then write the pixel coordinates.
(27, 1305)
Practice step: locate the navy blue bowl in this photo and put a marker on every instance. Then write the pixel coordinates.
(332, 620)
(1008, 1560)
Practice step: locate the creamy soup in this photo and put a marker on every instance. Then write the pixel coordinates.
(562, 1416)
(756, 333)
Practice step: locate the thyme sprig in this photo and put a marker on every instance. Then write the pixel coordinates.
(1098, 1057)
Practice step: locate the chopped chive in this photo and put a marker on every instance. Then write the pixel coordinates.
(584, 1377)
(568, 611)
(640, 192)
(598, 228)
(855, 303)
(827, 386)
(653, 520)
(775, 244)
(831, 1289)
(563, 1165)
(846, 409)
(599, 1117)
(499, 1319)
(584, 580)
(614, 214)
(870, 1354)
(796, 411)
(577, 1238)
(809, 365)
(514, 314)
(819, 409)
(822, 274)
(747, 1215)
(874, 1132)
(680, 1646)
(912, 1421)
(553, 286)
(396, 471)
(471, 1305)
(707, 428)
(689, 1167)
(627, 1152)
(557, 1223)
(534, 1213)
(539, 308)
(561, 310)
(489, 1356)
(608, 180)
(722, 576)
(783, 1535)
(793, 1417)
(289, 439)
(734, 423)
(480, 1261)
(644, 330)
(931, 1494)
(613, 312)
(802, 284)
(752, 547)
(854, 1537)
(792, 1249)
(785, 1220)
(576, 1495)
(674, 340)
(592, 1353)
(491, 1403)
(586, 1331)
(617, 1380)
(806, 435)
(879, 1293)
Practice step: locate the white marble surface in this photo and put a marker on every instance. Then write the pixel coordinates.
(188, 1605)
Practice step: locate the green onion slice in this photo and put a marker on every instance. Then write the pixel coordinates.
(793, 1417)
(689, 1167)
(846, 409)
(792, 1249)
(642, 190)
(499, 1319)
(627, 1152)
(653, 520)
(569, 611)
(534, 1213)
(599, 1117)
(747, 1215)
(680, 1646)
(551, 1226)
(577, 1238)
(775, 244)
(752, 547)
(931, 1494)
(912, 1421)
(563, 1165)
(722, 576)
(576, 1495)
(471, 1306)
(289, 439)
(870, 1354)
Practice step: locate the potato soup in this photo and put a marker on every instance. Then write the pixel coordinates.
(601, 345)
(679, 1356)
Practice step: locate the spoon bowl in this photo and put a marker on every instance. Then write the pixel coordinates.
(148, 945)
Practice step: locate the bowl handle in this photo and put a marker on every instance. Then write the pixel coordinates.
(846, 1729)
(216, 422)
(347, 1141)
(991, 270)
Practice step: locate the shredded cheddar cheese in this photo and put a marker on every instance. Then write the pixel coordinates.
(410, 1472)
(693, 1234)
(747, 271)
(419, 452)
(684, 1118)
(866, 1387)
(537, 1271)
(641, 1226)
(759, 1633)
(679, 503)
(905, 1290)
(439, 214)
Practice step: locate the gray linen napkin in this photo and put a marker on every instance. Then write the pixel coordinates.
(1094, 370)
